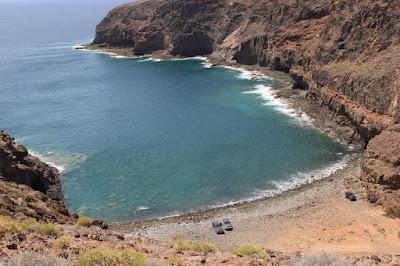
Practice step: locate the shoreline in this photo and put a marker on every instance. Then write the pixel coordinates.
(293, 99)
(201, 214)
(313, 218)
(248, 201)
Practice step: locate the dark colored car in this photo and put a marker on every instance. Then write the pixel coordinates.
(217, 226)
(350, 195)
(227, 225)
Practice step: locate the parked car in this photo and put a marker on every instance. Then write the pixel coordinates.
(350, 195)
(227, 225)
(217, 226)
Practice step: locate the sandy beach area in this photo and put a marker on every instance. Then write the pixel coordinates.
(311, 219)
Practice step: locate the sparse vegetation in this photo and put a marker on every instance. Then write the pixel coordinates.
(9, 226)
(321, 260)
(393, 211)
(251, 251)
(84, 221)
(106, 257)
(36, 259)
(183, 245)
(47, 229)
(63, 242)
(176, 261)
(27, 224)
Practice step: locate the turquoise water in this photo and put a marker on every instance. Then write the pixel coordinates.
(137, 138)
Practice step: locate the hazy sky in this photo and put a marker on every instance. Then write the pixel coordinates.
(27, 21)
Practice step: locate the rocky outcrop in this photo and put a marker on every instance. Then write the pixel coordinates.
(381, 170)
(382, 159)
(22, 202)
(18, 166)
(29, 188)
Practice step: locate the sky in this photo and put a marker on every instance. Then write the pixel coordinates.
(33, 21)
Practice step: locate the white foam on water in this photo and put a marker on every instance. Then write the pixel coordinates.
(278, 187)
(60, 161)
(205, 64)
(247, 74)
(294, 181)
(143, 208)
(152, 59)
(280, 104)
(45, 158)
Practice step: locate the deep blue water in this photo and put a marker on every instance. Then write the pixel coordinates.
(139, 138)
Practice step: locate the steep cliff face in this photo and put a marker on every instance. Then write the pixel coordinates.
(29, 188)
(17, 165)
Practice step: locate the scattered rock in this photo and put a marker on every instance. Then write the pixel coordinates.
(21, 237)
(12, 246)
(98, 223)
(104, 226)
(375, 258)
(120, 237)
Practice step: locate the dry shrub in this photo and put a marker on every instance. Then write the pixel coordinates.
(63, 242)
(37, 259)
(109, 257)
(47, 229)
(184, 245)
(393, 210)
(176, 261)
(251, 251)
(321, 260)
(9, 225)
(84, 221)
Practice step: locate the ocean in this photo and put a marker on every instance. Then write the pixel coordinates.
(139, 138)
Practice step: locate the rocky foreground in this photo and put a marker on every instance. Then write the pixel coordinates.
(344, 54)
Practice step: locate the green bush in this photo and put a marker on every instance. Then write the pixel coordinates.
(108, 257)
(84, 221)
(63, 242)
(27, 224)
(183, 245)
(250, 250)
(47, 229)
(7, 226)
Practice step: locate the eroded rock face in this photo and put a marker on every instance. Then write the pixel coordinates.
(22, 202)
(381, 170)
(18, 166)
(382, 159)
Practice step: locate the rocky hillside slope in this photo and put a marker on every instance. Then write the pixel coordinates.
(345, 54)
(29, 188)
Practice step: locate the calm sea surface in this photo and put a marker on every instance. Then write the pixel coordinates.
(137, 138)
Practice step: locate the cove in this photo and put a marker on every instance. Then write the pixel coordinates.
(141, 138)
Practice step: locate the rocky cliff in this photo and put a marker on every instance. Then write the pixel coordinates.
(28, 186)
(344, 53)
(17, 165)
